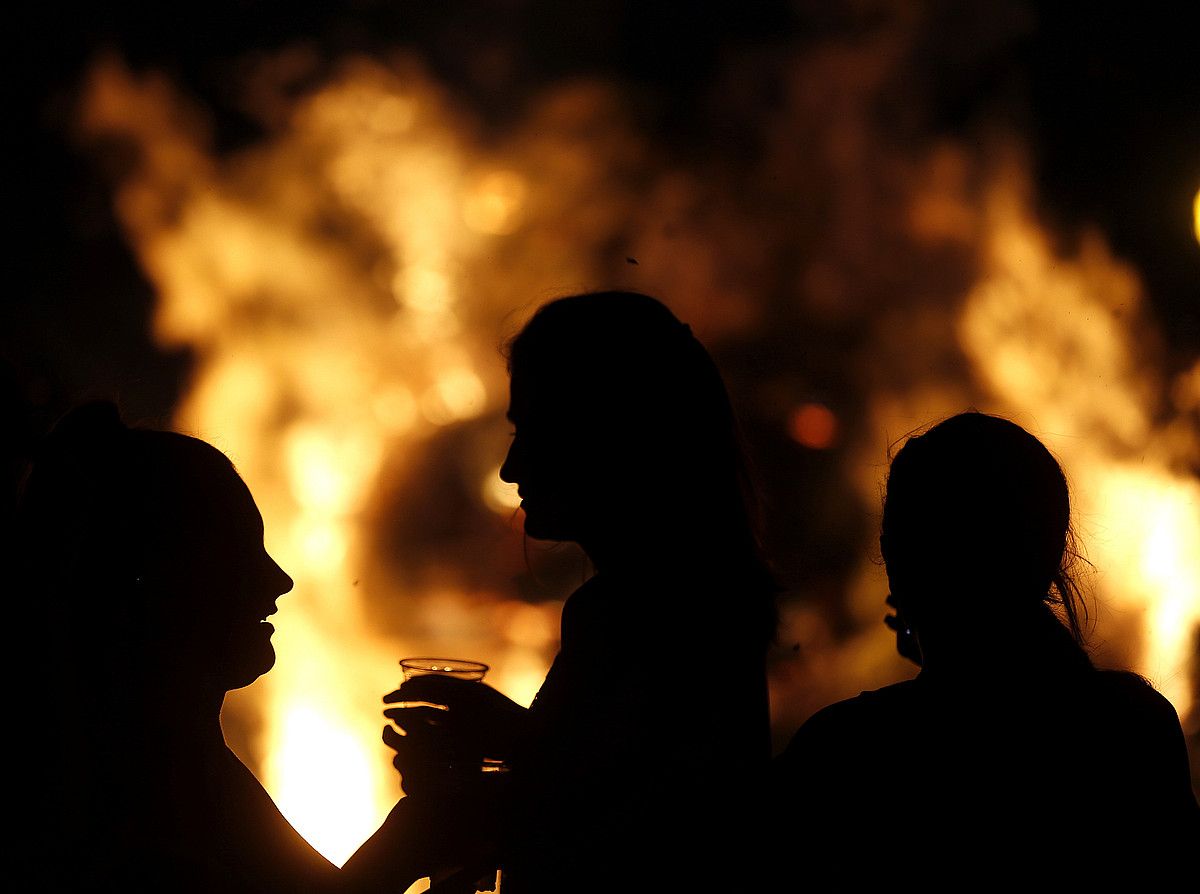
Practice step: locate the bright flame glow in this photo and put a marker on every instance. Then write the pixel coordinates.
(456, 395)
(329, 473)
(313, 363)
(1196, 215)
(334, 809)
(321, 543)
(494, 205)
(499, 494)
(1145, 545)
(1051, 337)
(342, 286)
(395, 409)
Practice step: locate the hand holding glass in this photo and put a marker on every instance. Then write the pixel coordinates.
(453, 668)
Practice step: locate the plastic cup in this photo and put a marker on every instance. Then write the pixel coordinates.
(445, 667)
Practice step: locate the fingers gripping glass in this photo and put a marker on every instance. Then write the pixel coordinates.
(470, 879)
(460, 669)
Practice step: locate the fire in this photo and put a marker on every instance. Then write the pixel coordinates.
(1196, 215)
(1054, 339)
(314, 366)
(1062, 344)
(343, 284)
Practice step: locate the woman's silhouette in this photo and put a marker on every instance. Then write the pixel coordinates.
(636, 764)
(141, 553)
(144, 550)
(1009, 747)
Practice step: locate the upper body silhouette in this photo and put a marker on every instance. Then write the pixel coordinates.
(141, 553)
(1010, 751)
(635, 766)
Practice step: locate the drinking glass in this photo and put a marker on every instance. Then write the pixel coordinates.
(446, 667)
(460, 881)
(458, 668)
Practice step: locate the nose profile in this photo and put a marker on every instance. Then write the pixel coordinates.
(283, 582)
(508, 470)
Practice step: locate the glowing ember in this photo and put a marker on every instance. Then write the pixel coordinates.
(813, 425)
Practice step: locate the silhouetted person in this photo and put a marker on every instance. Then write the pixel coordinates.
(143, 552)
(1009, 756)
(636, 765)
(142, 593)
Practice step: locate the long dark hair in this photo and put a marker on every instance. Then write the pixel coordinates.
(624, 359)
(981, 505)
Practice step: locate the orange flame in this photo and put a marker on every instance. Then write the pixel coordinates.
(1053, 338)
(1196, 215)
(342, 284)
(313, 364)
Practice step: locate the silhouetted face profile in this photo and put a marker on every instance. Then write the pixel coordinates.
(213, 584)
(622, 430)
(554, 461)
(151, 548)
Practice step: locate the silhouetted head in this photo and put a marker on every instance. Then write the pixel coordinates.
(622, 424)
(976, 530)
(625, 440)
(148, 549)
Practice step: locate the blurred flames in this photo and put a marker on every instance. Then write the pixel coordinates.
(1061, 344)
(1055, 340)
(1196, 215)
(343, 283)
(314, 365)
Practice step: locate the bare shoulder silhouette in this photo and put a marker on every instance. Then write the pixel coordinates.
(651, 729)
(1009, 751)
(142, 553)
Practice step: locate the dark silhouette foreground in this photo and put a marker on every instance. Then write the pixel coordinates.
(144, 550)
(1010, 755)
(144, 588)
(638, 765)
